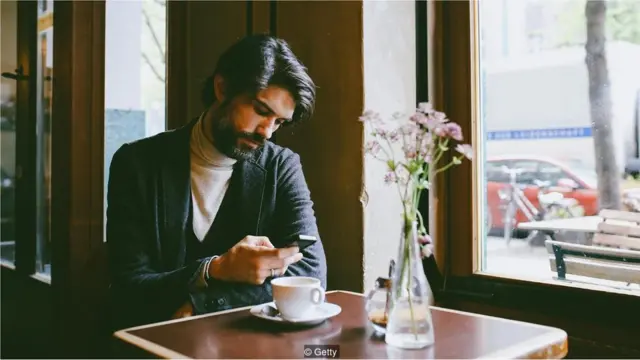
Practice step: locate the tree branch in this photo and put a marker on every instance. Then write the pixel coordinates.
(153, 69)
(154, 36)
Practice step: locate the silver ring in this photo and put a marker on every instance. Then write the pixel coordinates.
(273, 272)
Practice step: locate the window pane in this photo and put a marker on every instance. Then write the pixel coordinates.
(8, 31)
(43, 130)
(135, 73)
(565, 117)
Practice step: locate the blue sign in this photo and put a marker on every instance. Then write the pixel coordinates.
(533, 134)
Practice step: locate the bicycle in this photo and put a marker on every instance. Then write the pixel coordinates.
(553, 205)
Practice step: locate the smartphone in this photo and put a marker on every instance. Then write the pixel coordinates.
(301, 241)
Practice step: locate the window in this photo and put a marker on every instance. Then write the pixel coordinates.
(26, 103)
(9, 32)
(552, 173)
(44, 99)
(535, 108)
(135, 73)
(495, 172)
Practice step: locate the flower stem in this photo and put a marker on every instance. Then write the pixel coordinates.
(408, 229)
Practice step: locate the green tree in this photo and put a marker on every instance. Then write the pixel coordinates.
(622, 22)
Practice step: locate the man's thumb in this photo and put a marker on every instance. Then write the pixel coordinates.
(262, 241)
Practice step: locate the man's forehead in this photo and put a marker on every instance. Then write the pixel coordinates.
(279, 100)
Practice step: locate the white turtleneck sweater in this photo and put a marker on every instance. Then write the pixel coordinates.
(210, 175)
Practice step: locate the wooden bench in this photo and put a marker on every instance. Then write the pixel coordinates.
(618, 229)
(594, 262)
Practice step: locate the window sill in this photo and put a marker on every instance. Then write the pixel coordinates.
(554, 298)
(43, 278)
(569, 284)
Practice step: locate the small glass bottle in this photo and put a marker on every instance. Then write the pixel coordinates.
(377, 305)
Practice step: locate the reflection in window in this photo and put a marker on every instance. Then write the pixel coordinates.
(135, 73)
(43, 131)
(536, 104)
(8, 31)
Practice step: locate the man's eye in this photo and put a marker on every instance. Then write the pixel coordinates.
(262, 112)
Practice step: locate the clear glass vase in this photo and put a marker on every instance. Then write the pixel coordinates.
(409, 324)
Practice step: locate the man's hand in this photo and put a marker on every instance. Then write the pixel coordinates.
(251, 261)
(185, 310)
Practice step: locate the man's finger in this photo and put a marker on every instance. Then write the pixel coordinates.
(293, 259)
(277, 263)
(278, 253)
(264, 241)
(259, 241)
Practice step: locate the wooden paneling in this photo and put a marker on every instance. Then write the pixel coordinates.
(78, 270)
(213, 27)
(177, 63)
(327, 37)
(261, 17)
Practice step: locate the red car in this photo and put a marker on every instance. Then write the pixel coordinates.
(576, 180)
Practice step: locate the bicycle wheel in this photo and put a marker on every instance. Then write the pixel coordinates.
(509, 220)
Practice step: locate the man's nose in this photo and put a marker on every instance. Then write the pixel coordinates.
(267, 127)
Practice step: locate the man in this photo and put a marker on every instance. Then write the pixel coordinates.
(198, 217)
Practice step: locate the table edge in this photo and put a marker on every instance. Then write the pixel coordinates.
(530, 225)
(149, 346)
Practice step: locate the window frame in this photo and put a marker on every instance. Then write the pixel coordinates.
(457, 196)
(26, 156)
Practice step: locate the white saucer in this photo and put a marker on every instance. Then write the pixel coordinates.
(323, 312)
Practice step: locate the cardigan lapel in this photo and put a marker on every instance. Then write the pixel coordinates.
(249, 182)
(176, 196)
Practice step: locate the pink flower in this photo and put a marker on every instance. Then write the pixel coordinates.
(466, 150)
(424, 239)
(390, 177)
(425, 107)
(370, 116)
(393, 136)
(372, 147)
(426, 251)
(439, 116)
(410, 151)
(409, 129)
(419, 118)
(440, 131)
(380, 132)
(454, 131)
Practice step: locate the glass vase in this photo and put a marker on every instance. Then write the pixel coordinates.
(409, 325)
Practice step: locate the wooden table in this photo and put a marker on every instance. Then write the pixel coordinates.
(584, 224)
(237, 334)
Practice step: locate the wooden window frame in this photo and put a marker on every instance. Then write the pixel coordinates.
(456, 195)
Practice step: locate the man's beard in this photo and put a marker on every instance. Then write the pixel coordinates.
(226, 139)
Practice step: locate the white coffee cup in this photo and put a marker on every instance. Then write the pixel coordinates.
(297, 297)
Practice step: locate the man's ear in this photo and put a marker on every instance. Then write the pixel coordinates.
(219, 88)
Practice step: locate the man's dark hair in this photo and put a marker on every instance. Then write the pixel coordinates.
(258, 61)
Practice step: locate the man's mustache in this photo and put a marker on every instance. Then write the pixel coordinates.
(255, 137)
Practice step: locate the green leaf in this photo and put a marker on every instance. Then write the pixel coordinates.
(392, 165)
